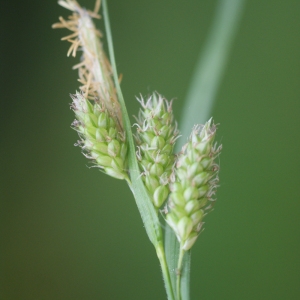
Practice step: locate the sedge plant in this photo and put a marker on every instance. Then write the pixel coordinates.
(177, 187)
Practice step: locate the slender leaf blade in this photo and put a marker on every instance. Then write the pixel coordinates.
(143, 201)
(199, 104)
(211, 65)
(141, 196)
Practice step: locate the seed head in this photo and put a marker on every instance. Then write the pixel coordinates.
(193, 188)
(100, 139)
(97, 110)
(155, 137)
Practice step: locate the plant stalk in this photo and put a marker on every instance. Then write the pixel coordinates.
(165, 270)
(178, 273)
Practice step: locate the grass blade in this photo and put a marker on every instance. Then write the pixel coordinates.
(211, 65)
(185, 277)
(199, 103)
(144, 203)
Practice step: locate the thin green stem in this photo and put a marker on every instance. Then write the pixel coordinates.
(164, 267)
(178, 272)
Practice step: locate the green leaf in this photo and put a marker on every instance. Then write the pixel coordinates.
(143, 201)
(148, 213)
(198, 106)
(172, 253)
(211, 65)
(185, 278)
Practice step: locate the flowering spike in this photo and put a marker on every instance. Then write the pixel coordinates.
(195, 181)
(98, 122)
(94, 69)
(100, 140)
(155, 137)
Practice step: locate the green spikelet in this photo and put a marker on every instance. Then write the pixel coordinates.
(156, 135)
(102, 139)
(194, 183)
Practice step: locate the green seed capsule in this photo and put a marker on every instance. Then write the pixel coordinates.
(172, 220)
(190, 193)
(185, 226)
(181, 174)
(203, 202)
(123, 151)
(117, 163)
(178, 199)
(183, 161)
(206, 162)
(162, 159)
(114, 173)
(192, 206)
(166, 118)
(193, 170)
(156, 169)
(89, 107)
(190, 241)
(179, 212)
(201, 178)
(157, 142)
(160, 195)
(196, 217)
(148, 154)
(202, 190)
(167, 149)
(100, 147)
(90, 132)
(102, 120)
(155, 123)
(95, 154)
(79, 115)
(147, 137)
(193, 154)
(96, 110)
(101, 134)
(104, 160)
(93, 119)
(146, 164)
(112, 133)
(151, 183)
(114, 148)
(165, 131)
(176, 187)
(204, 147)
(112, 122)
(88, 144)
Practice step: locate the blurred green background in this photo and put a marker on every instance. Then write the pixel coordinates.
(69, 232)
